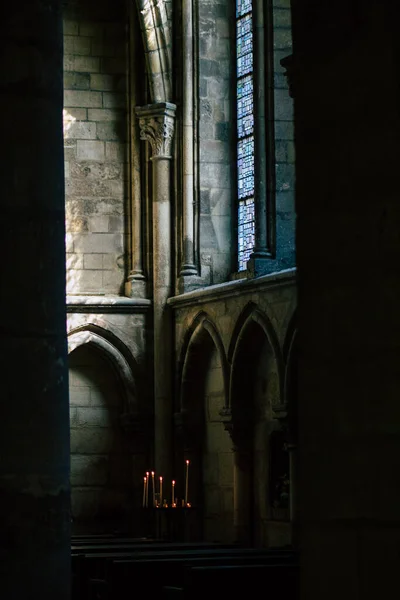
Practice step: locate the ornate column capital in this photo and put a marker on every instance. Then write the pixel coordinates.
(157, 125)
(240, 434)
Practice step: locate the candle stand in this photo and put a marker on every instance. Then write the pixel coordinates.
(170, 524)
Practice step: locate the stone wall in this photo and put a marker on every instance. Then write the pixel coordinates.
(95, 124)
(253, 321)
(217, 141)
(101, 466)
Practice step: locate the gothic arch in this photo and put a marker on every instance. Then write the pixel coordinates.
(201, 329)
(156, 33)
(251, 316)
(100, 340)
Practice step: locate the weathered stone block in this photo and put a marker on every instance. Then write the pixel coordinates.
(83, 281)
(76, 81)
(93, 261)
(88, 470)
(83, 64)
(116, 151)
(99, 224)
(74, 44)
(102, 82)
(79, 396)
(81, 130)
(70, 27)
(98, 243)
(92, 441)
(283, 39)
(113, 66)
(283, 106)
(91, 29)
(74, 261)
(282, 17)
(94, 417)
(105, 114)
(116, 224)
(114, 100)
(84, 99)
(91, 150)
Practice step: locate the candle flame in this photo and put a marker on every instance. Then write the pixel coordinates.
(147, 473)
(145, 478)
(160, 478)
(173, 482)
(187, 462)
(152, 473)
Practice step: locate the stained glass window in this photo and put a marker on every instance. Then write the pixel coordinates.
(245, 130)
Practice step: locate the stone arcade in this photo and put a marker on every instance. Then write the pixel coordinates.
(278, 379)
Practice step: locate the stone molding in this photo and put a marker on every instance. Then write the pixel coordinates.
(157, 126)
(107, 304)
(234, 288)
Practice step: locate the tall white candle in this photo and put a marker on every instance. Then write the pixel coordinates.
(173, 492)
(161, 501)
(144, 491)
(147, 489)
(187, 482)
(154, 489)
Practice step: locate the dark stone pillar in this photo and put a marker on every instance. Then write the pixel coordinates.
(34, 419)
(345, 81)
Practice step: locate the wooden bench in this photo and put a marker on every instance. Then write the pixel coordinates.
(91, 561)
(171, 570)
(210, 581)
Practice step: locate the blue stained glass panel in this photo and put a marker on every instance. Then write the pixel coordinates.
(245, 87)
(245, 126)
(243, 7)
(245, 131)
(244, 64)
(246, 231)
(244, 45)
(244, 26)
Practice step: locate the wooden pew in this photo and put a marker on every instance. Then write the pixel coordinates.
(209, 581)
(91, 561)
(170, 570)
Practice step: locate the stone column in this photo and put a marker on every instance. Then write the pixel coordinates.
(243, 495)
(156, 123)
(264, 242)
(347, 123)
(188, 266)
(34, 412)
(136, 282)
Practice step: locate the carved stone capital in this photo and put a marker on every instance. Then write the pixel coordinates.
(240, 433)
(157, 125)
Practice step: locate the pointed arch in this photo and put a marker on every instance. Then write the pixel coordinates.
(156, 32)
(250, 316)
(201, 325)
(116, 352)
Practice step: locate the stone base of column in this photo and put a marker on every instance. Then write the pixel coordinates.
(136, 287)
(189, 283)
(259, 265)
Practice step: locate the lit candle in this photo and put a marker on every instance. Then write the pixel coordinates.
(173, 493)
(161, 500)
(147, 489)
(187, 482)
(154, 489)
(144, 491)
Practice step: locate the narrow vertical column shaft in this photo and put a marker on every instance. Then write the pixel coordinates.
(188, 242)
(157, 126)
(34, 413)
(134, 285)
